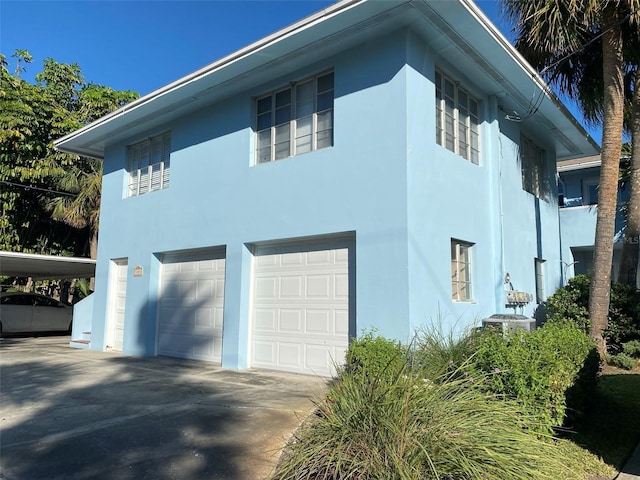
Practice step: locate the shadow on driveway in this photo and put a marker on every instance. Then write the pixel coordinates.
(78, 414)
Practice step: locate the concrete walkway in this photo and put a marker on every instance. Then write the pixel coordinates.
(631, 470)
(79, 414)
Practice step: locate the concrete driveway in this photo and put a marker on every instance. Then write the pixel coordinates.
(78, 414)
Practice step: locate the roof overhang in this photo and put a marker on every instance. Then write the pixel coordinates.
(14, 264)
(452, 33)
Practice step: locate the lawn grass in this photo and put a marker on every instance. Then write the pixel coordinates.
(611, 429)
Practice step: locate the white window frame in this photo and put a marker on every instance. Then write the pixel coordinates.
(461, 271)
(587, 184)
(149, 165)
(291, 122)
(457, 118)
(533, 163)
(539, 272)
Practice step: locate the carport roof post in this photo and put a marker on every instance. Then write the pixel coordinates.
(17, 264)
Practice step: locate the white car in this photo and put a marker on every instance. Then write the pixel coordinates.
(31, 312)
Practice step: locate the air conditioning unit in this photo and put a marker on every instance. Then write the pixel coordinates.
(508, 322)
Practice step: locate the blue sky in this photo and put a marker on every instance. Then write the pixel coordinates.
(142, 45)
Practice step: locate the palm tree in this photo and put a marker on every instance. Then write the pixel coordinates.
(82, 208)
(549, 31)
(631, 247)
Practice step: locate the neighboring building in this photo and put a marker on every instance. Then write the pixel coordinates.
(354, 171)
(578, 181)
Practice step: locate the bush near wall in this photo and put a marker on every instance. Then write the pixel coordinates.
(383, 420)
(571, 303)
(552, 371)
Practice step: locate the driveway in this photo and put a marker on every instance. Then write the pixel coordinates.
(78, 414)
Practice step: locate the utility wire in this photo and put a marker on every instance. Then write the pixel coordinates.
(31, 187)
(597, 37)
(535, 105)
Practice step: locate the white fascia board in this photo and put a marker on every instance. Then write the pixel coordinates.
(526, 67)
(70, 142)
(578, 166)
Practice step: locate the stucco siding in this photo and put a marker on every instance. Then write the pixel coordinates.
(384, 185)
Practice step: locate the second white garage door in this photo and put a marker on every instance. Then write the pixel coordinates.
(300, 309)
(191, 306)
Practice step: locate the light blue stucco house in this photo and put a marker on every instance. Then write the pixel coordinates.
(384, 165)
(578, 181)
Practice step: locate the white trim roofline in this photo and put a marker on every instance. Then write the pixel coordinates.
(517, 56)
(314, 18)
(344, 19)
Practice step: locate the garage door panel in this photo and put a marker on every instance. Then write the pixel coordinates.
(188, 346)
(264, 352)
(320, 257)
(291, 286)
(205, 288)
(191, 306)
(317, 357)
(289, 355)
(318, 322)
(341, 322)
(290, 320)
(266, 288)
(341, 287)
(300, 309)
(319, 286)
(290, 259)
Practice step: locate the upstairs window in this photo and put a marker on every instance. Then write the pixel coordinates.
(460, 271)
(149, 165)
(457, 125)
(295, 120)
(534, 178)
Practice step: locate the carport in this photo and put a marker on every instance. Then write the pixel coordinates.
(39, 267)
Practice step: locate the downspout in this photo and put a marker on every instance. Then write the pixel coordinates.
(499, 270)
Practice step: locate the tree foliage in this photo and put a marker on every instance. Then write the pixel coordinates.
(44, 192)
(552, 36)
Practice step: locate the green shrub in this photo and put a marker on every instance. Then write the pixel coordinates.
(571, 303)
(624, 317)
(632, 348)
(552, 370)
(406, 427)
(622, 360)
(375, 356)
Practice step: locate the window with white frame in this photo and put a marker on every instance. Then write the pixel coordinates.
(539, 269)
(460, 270)
(149, 165)
(457, 123)
(534, 178)
(295, 120)
(590, 187)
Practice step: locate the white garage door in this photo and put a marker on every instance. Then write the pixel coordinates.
(191, 305)
(300, 309)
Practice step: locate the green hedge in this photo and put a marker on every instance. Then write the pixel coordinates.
(375, 356)
(382, 419)
(571, 303)
(552, 370)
